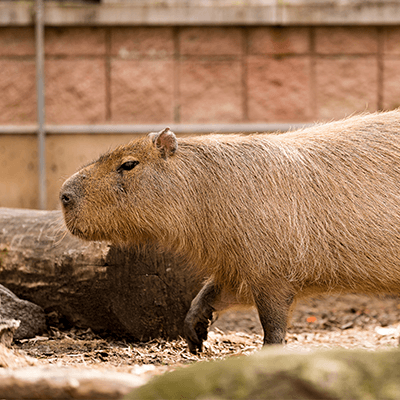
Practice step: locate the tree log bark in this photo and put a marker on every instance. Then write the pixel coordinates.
(140, 292)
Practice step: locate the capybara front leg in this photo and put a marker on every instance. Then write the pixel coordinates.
(199, 316)
(273, 313)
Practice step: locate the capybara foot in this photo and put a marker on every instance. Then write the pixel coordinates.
(195, 328)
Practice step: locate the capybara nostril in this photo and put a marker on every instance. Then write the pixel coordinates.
(67, 199)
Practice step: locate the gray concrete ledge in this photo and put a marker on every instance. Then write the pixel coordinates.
(146, 128)
(206, 12)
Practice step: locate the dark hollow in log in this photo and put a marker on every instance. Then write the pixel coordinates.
(141, 293)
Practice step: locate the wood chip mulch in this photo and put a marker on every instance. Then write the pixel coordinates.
(335, 321)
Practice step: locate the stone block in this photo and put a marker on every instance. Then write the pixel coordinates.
(391, 40)
(278, 40)
(277, 373)
(75, 41)
(18, 166)
(391, 84)
(18, 92)
(346, 40)
(211, 91)
(139, 42)
(211, 41)
(346, 86)
(17, 41)
(31, 316)
(142, 91)
(75, 91)
(279, 89)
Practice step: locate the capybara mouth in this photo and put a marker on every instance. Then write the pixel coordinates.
(76, 231)
(71, 224)
(87, 234)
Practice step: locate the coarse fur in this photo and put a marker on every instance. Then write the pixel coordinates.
(269, 217)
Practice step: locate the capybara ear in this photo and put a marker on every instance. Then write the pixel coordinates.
(165, 141)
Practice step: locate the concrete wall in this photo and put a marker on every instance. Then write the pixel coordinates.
(181, 74)
(200, 74)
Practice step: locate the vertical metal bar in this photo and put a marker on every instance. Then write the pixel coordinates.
(39, 33)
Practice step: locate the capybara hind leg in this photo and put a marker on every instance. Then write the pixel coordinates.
(200, 315)
(273, 315)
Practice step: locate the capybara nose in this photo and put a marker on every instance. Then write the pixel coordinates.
(67, 199)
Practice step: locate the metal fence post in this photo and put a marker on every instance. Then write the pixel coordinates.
(40, 95)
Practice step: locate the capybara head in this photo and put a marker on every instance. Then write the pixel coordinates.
(108, 198)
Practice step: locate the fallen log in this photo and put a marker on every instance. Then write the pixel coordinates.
(66, 383)
(141, 292)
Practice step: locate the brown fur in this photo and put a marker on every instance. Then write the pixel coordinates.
(269, 217)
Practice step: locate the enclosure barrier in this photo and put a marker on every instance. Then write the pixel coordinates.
(172, 13)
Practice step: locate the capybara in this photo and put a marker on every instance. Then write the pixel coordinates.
(269, 218)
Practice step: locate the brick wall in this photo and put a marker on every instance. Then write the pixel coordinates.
(180, 75)
(200, 74)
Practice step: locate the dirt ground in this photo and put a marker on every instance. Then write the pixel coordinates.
(335, 321)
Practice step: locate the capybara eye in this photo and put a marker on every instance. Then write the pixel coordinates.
(127, 166)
